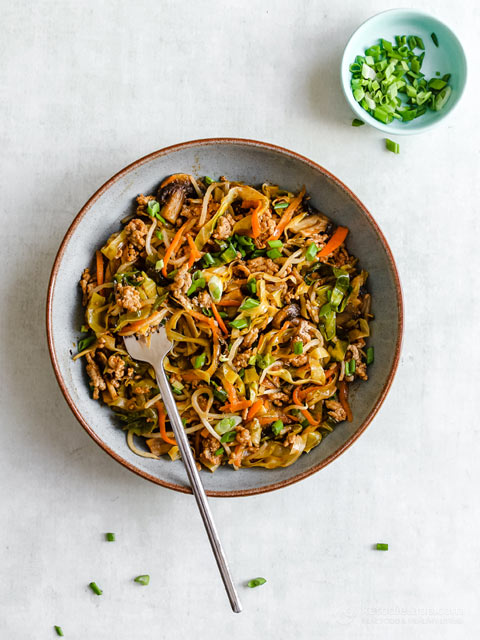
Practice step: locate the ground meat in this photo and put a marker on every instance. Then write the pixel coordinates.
(299, 361)
(267, 227)
(141, 391)
(128, 253)
(243, 437)
(128, 298)
(360, 367)
(116, 367)
(279, 398)
(93, 372)
(291, 440)
(204, 300)
(224, 227)
(87, 283)
(335, 410)
(303, 332)
(142, 200)
(338, 258)
(136, 230)
(241, 359)
(181, 285)
(266, 265)
(209, 446)
(250, 338)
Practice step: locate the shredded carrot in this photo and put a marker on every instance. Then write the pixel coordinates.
(173, 247)
(194, 252)
(343, 397)
(99, 257)
(249, 204)
(229, 303)
(334, 242)
(295, 396)
(256, 221)
(238, 405)
(329, 373)
(161, 423)
(254, 409)
(230, 389)
(287, 216)
(306, 414)
(218, 318)
(237, 455)
(202, 318)
(139, 324)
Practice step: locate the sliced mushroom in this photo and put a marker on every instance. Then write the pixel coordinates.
(290, 312)
(172, 194)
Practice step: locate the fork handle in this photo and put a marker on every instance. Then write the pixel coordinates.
(197, 486)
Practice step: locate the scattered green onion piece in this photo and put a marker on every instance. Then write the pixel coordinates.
(239, 323)
(229, 254)
(382, 546)
(95, 588)
(197, 283)
(143, 580)
(311, 252)
(256, 582)
(273, 254)
(85, 342)
(225, 425)
(110, 537)
(252, 360)
(153, 208)
(249, 303)
(370, 355)
(252, 286)
(215, 287)
(229, 436)
(221, 395)
(392, 146)
(419, 41)
(199, 361)
(220, 451)
(207, 312)
(275, 244)
(434, 38)
(357, 123)
(280, 205)
(159, 265)
(298, 347)
(84, 328)
(208, 180)
(58, 630)
(277, 427)
(350, 366)
(209, 259)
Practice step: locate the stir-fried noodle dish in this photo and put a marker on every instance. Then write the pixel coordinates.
(267, 311)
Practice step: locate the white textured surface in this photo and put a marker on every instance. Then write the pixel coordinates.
(88, 87)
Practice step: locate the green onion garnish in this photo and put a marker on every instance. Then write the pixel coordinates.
(280, 205)
(229, 254)
(434, 38)
(275, 244)
(392, 146)
(208, 180)
(85, 342)
(110, 537)
(252, 360)
(159, 265)
(274, 254)
(311, 252)
(84, 328)
(256, 582)
(153, 208)
(197, 283)
(356, 122)
(58, 630)
(215, 288)
(249, 303)
(239, 323)
(252, 286)
(370, 355)
(95, 588)
(229, 436)
(221, 395)
(298, 347)
(220, 451)
(199, 361)
(382, 546)
(350, 366)
(209, 259)
(143, 580)
(277, 427)
(159, 234)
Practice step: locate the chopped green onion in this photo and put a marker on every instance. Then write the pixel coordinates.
(298, 347)
(252, 286)
(229, 436)
(356, 122)
(209, 259)
(280, 205)
(199, 361)
(208, 180)
(153, 208)
(434, 38)
(207, 312)
(220, 394)
(264, 361)
(252, 360)
(370, 355)
(110, 537)
(256, 582)
(249, 303)
(382, 546)
(277, 427)
(143, 580)
(159, 265)
(95, 588)
(215, 287)
(197, 283)
(274, 254)
(84, 328)
(419, 41)
(159, 234)
(227, 424)
(229, 254)
(85, 342)
(58, 630)
(392, 146)
(350, 366)
(220, 451)
(239, 323)
(311, 252)
(275, 244)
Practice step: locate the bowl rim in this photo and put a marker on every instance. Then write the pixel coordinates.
(370, 120)
(51, 292)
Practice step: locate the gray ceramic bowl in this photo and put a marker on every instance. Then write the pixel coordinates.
(252, 162)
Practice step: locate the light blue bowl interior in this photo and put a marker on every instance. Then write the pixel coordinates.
(448, 57)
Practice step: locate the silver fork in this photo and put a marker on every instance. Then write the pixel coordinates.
(153, 350)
